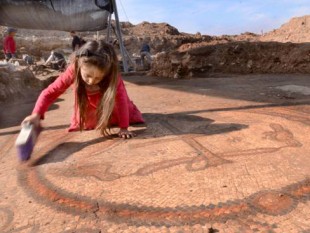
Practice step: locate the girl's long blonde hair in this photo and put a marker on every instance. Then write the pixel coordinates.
(104, 57)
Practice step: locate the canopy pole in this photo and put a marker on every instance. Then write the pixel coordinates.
(120, 39)
(109, 28)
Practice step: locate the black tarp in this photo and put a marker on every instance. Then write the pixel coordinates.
(62, 15)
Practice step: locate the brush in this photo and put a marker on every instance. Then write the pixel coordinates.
(26, 140)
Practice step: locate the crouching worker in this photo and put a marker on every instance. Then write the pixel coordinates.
(101, 100)
(56, 60)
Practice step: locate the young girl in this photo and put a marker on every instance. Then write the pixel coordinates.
(101, 99)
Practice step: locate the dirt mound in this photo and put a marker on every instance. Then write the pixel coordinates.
(233, 57)
(297, 30)
(151, 29)
(16, 81)
(242, 54)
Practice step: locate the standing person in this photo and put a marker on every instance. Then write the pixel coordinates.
(9, 45)
(76, 41)
(101, 100)
(145, 52)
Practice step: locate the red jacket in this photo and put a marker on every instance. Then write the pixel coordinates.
(124, 111)
(9, 45)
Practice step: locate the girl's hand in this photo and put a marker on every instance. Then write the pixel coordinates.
(33, 118)
(124, 133)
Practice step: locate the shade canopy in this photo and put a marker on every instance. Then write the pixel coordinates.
(61, 15)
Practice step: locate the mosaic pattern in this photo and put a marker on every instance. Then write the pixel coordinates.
(273, 202)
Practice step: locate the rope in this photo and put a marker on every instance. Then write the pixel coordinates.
(124, 10)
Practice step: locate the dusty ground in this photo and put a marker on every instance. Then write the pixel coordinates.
(224, 154)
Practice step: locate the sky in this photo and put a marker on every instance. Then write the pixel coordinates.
(214, 17)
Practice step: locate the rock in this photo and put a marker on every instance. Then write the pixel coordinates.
(249, 64)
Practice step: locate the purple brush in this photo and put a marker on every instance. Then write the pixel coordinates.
(26, 140)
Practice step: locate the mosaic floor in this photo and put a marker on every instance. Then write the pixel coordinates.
(216, 155)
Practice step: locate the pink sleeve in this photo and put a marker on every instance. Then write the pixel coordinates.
(53, 91)
(121, 103)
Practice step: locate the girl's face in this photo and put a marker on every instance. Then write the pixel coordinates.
(91, 74)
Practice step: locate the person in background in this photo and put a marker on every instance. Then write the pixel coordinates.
(9, 45)
(57, 61)
(101, 100)
(145, 52)
(76, 41)
(28, 59)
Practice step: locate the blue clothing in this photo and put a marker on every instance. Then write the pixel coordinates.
(145, 48)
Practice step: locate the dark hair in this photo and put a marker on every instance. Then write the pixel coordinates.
(103, 56)
(11, 30)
